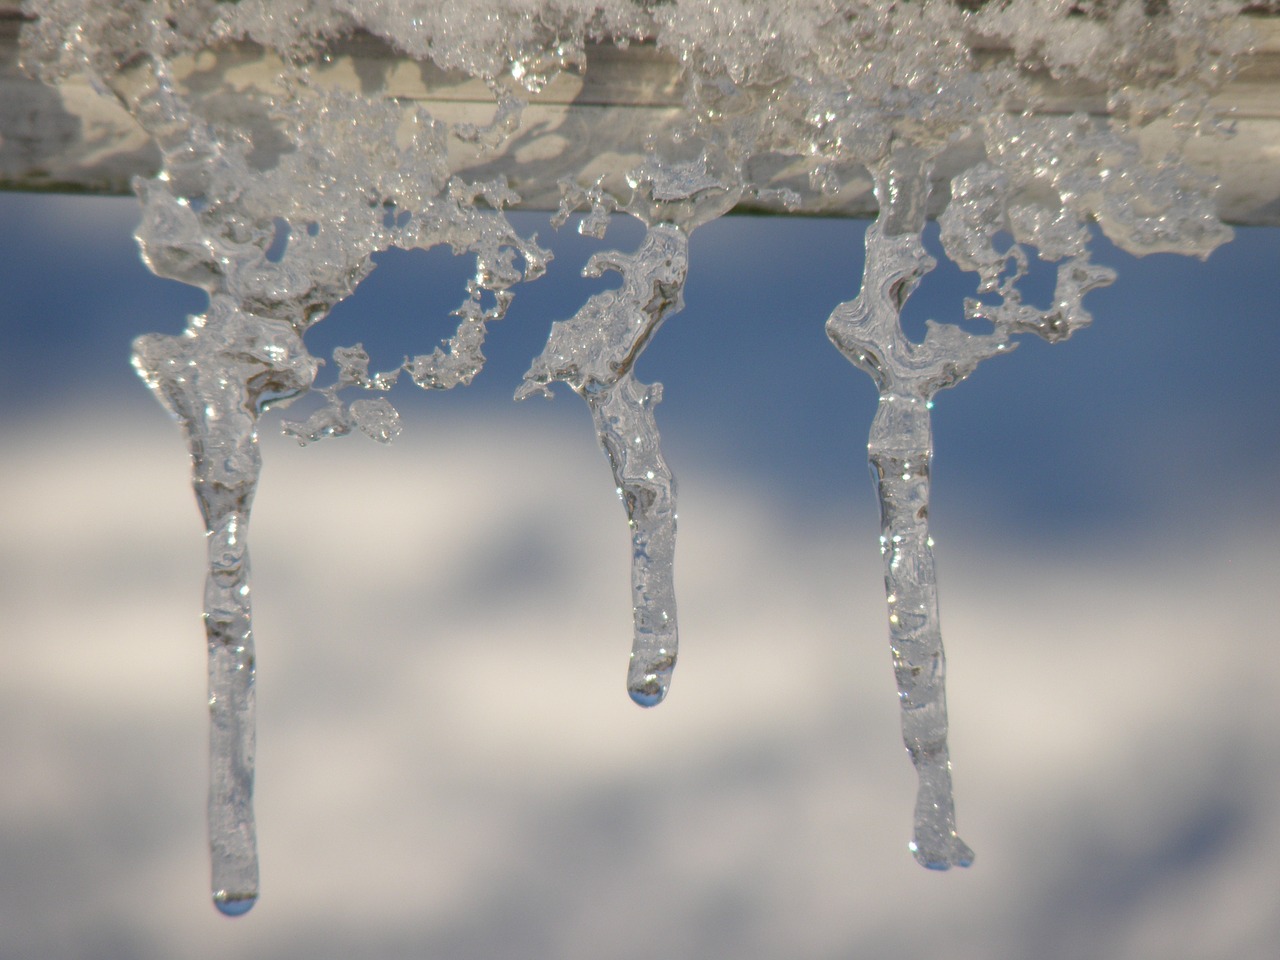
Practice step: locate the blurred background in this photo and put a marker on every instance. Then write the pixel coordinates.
(448, 763)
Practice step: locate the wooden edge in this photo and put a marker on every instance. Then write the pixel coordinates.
(69, 139)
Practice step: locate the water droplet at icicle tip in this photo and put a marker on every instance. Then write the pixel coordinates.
(649, 692)
(233, 906)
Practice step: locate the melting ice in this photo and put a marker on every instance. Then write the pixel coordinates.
(276, 215)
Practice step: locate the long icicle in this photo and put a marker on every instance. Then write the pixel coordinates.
(899, 451)
(215, 380)
(228, 622)
(868, 331)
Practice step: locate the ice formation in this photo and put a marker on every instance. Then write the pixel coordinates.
(275, 209)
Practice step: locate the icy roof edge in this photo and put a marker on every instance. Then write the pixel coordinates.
(70, 139)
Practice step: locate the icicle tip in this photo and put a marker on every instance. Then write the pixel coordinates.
(233, 905)
(649, 692)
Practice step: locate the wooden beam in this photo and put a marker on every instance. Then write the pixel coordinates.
(71, 139)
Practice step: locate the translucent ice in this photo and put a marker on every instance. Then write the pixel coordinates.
(952, 109)
(594, 352)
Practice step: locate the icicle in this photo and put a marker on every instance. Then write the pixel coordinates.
(868, 332)
(899, 451)
(593, 352)
(623, 416)
(215, 220)
(215, 380)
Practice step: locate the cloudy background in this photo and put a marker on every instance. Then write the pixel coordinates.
(448, 763)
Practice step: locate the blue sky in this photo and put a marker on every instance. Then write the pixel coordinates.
(1170, 379)
(448, 763)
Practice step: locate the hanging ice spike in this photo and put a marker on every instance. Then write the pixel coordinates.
(867, 330)
(593, 352)
(213, 382)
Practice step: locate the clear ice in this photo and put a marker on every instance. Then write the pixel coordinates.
(594, 352)
(276, 216)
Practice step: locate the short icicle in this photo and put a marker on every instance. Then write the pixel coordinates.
(624, 422)
(868, 332)
(594, 352)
